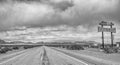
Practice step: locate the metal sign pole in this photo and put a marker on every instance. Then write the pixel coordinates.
(102, 38)
(111, 37)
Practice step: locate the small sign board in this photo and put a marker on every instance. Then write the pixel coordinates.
(106, 23)
(101, 29)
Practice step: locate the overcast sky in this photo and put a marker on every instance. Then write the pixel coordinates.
(51, 20)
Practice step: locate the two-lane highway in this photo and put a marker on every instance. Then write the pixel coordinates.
(43, 56)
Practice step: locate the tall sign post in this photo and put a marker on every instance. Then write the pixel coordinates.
(102, 29)
(102, 37)
(112, 36)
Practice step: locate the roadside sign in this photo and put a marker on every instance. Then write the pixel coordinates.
(101, 29)
(106, 23)
(111, 30)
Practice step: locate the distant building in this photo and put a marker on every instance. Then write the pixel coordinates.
(118, 44)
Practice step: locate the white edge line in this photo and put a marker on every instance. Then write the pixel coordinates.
(11, 59)
(72, 58)
(76, 59)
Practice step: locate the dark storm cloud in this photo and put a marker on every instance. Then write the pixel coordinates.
(64, 5)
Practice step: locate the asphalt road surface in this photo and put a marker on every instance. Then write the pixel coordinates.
(41, 56)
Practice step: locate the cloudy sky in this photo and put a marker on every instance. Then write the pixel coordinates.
(51, 20)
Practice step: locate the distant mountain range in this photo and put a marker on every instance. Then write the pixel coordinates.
(76, 41)
(13, 42)
(57, 41)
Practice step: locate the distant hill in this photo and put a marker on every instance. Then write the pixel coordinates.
(64, 40)
(16, 42)
(2, 42)
(76, 41)
(93, 42)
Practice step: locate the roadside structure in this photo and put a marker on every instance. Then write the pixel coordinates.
(102, 29)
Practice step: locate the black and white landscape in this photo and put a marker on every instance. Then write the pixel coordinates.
(58, 32)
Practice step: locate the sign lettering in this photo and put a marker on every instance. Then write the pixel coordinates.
(101, 29)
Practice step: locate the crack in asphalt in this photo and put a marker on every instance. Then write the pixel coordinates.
(44, 58)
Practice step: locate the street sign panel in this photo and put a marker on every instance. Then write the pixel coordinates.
(101, 29)
(106, 23)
